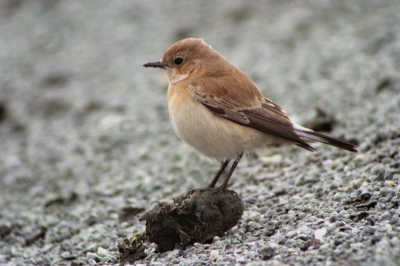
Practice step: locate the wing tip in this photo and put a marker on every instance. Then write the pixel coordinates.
(319, 137)
(306, 146)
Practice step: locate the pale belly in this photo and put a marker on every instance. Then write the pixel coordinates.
(212, 136)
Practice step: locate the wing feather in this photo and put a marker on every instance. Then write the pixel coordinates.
(267, 117)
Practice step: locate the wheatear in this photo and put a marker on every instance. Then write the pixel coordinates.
(219, 111)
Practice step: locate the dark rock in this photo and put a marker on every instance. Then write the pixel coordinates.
(269, 231)
(365, 195)
(3, 111)
(368, 205)
(196, 216)
(56, 79)
(358, 216)
(5, 230)
(267, 252)
(39, 235)
(384, 84)
(322, 121)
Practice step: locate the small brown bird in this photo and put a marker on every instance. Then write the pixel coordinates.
(219, 111)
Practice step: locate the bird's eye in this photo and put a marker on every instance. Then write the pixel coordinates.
(178, 61)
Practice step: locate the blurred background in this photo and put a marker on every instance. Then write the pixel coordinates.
(85, 126)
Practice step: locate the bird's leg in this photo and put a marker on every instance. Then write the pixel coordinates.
(220, 171)
(235, 163)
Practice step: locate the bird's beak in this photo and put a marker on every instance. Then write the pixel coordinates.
(154, 64)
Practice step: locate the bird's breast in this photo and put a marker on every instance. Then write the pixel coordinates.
(215, 137)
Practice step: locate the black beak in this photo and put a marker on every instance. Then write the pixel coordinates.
(154, 64)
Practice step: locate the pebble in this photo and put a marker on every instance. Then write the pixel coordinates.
(93, 256)
(102, 251)
(78, 263)
(291, 234)
(214, 254)
(68, 256)
(320, 233)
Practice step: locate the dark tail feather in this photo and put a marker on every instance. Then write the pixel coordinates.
(309, 135)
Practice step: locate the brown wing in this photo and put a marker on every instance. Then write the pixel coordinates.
(268, 118)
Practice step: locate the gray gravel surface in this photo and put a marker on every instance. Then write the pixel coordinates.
(84, 129)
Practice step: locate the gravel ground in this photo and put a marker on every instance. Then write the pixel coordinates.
(85, 134)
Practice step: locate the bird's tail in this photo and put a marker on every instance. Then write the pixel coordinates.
(309, 135)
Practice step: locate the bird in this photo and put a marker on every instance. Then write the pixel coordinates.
(219, 111)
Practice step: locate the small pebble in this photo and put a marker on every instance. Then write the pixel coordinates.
(214, 254)
(320, 233)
